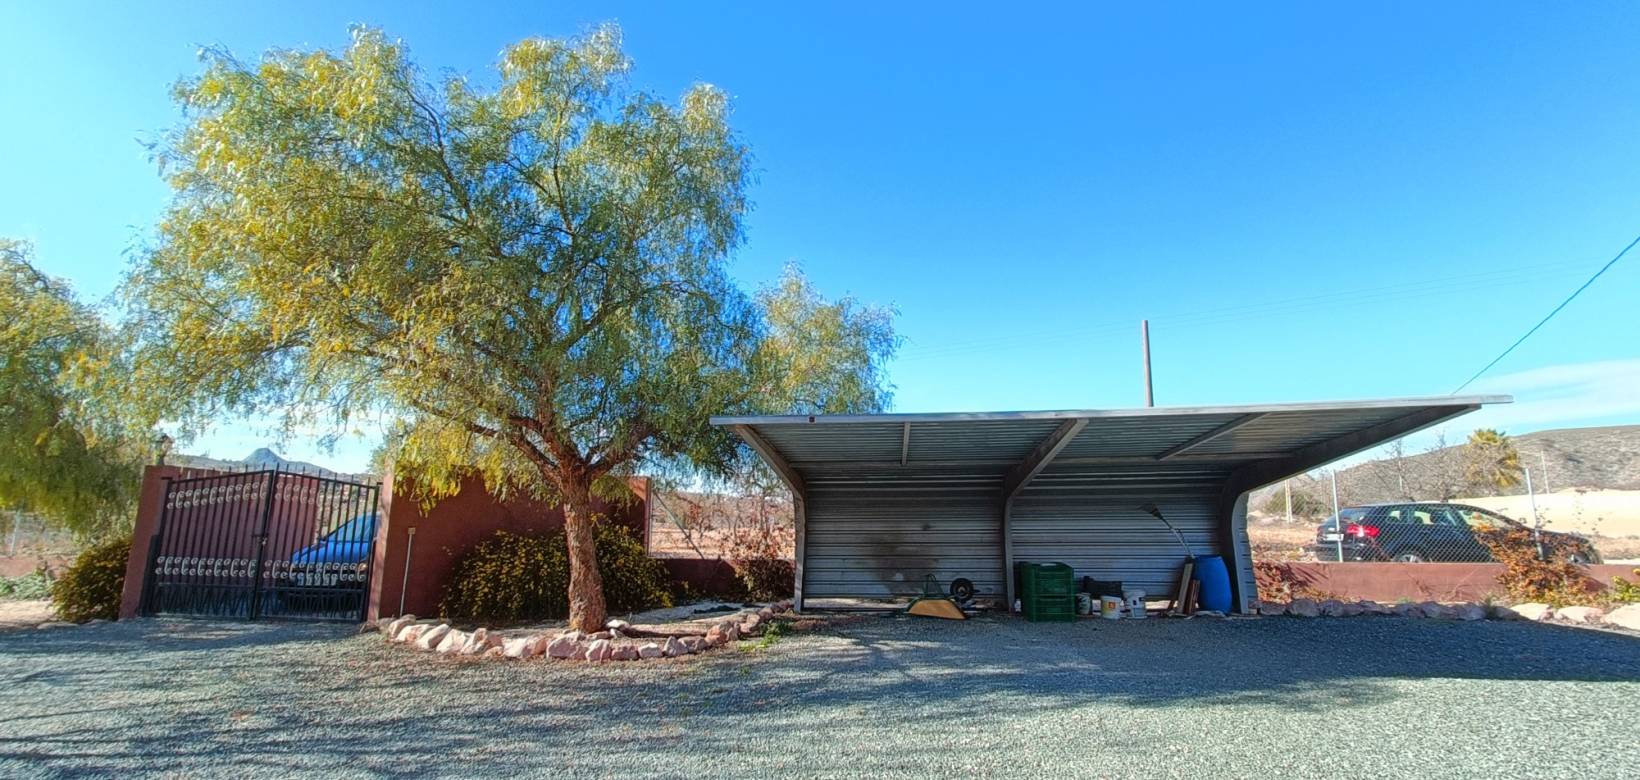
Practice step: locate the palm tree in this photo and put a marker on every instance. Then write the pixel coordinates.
(1491, 463)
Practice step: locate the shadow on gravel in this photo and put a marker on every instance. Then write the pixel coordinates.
(205, 698)
(1292, 663)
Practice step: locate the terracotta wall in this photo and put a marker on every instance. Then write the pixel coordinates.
(450, 528)
(142, 537)
(1391, 582)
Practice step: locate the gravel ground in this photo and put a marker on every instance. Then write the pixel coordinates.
(872, 696)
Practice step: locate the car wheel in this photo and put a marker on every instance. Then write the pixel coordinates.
(1409, 556)
(1577, 558)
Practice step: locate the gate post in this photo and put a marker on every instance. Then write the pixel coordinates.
(262, 543)
(146, 605)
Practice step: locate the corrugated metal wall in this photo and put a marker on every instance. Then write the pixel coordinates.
(878, 536)
(1091, 520)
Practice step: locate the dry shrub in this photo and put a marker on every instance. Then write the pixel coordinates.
(1277, 581)
(759, 557)
(90, 588)
(509, 578)
(1528, 578)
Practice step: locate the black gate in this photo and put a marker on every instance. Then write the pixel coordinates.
(263, 544)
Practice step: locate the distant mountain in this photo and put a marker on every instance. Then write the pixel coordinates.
(1565, 458)
(262, 458)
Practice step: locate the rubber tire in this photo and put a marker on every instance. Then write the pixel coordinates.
(1410, 556)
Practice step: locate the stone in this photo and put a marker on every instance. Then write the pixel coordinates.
(1580, 614)
(694, 644)
(452, 642)
(784, 605)
(1469, 612)
(1432, 609)
(573, 635)
(477, 642)
(732, 633)
(716, 636)
(1371, 607)
(751, 625)
(495, 651)
(1624, 617)
(515, 647)
(411, 633)
(602, 635)
(650, 650)
(616, 624)
(566, 647)
(766, 613)
(430, 638)
(93, 621)
(673, 648)
(600, 650)
(1350, 609)
(56, 624)
(625, 653)
(1532, 610)
(1330, 608)
(1406, 609)
(1303, 608)
(391, 633)
(1272, 608)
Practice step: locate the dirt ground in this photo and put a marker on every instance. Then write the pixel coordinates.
(23, 614)
(1613, 513)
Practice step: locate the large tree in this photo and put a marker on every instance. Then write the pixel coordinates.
(63, 456)
(524, 272)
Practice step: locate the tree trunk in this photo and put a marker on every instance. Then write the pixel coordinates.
(586, 587)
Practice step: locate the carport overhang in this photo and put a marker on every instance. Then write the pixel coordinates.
(1073, 469)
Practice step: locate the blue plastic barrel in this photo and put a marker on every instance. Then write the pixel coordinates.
(1215, 580)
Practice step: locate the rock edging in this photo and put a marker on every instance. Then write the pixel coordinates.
(612, 644)
(1627, 616)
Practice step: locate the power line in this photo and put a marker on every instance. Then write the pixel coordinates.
(1551, 316)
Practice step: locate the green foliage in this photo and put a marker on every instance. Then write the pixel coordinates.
(34, 585)
(1491, 463)
(510, 578)
(528, 276)
(62, 455)
(1626, 591)
(773, 632)
(91, 586)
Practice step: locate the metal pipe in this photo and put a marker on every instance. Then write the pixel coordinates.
(1338, 521)
(1144, 334)
(404, 584)
(1537, 520)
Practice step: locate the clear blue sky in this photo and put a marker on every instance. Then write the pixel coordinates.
(1308, 202)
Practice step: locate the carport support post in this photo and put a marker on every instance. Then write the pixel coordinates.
(1008, 552)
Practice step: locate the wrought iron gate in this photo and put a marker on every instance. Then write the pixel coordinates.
(263, 544)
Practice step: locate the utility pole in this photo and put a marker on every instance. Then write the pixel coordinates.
(1144, 336)
(1543, 463)
(1287, 488)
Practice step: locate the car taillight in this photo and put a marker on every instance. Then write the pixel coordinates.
(1360, 531)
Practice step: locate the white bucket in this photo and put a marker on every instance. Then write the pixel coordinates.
(1110, 607)
(1135, 603)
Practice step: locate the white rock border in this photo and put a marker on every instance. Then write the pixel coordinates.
(611, 644)
(1626, 616)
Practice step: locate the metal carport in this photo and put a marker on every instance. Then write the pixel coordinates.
(884, 499)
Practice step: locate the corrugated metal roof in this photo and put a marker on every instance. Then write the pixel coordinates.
(1172, 438)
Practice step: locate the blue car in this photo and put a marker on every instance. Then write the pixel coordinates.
(338, 559)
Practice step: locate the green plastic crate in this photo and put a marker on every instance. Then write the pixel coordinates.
(1057, 609)
(1044, 579)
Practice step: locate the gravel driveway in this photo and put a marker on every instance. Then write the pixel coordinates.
(871, 696)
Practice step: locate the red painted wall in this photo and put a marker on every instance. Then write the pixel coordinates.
(1391, 582)
(450, 528)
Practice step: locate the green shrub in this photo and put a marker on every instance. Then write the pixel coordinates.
(90, 587)
(1626, 591)
(633, 581)
(510, 578)
(34, 585)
